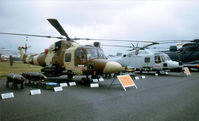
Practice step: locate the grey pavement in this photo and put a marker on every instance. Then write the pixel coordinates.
(172, 97)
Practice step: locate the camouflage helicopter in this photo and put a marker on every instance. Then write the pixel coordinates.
(69, 57)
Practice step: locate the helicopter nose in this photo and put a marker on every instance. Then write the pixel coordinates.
(173, 64)
(112, 67)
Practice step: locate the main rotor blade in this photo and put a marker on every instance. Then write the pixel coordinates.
(173, 41)
(147, 46)
(145, 41)
(118, 46)
(58, 27)
(32, 35)
(113, 40)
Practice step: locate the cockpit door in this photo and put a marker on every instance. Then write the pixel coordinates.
(80, 57)
(158, 62)
(68, 63)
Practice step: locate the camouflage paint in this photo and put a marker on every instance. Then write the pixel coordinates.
(55, 55)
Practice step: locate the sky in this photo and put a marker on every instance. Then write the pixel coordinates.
(152, 20)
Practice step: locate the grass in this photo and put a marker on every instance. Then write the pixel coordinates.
(17, 67)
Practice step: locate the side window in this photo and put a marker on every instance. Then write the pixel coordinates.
(157, 59)
(68, 57)
(147, 59)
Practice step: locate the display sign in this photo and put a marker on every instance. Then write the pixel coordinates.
(35, 92)
(187, 72)
(92, 85)
(72, 83)
(95, 80)
(126, 81)
(7, 95)
(136, 77)
(58, 89)
(101, 79)
(63, 84)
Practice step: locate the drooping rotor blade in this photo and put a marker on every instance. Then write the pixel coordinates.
(32, 35)
(58, 27)
(137, 44)
(147, 46)
(132, 45)
(131, 49)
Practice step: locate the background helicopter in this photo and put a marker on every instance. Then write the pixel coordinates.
(143, 59)
(188, 54)
(68, 56)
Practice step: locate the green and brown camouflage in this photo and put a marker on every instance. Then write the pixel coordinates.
(70, 56)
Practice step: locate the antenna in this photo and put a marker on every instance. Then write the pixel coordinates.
(26, 45)
(25, 48)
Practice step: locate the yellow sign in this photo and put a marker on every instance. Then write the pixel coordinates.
(126, 81)
(186, 69)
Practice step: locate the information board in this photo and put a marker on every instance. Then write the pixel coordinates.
(35, 92)
(7, 95)
(126, 81)
(187, 72)
(58, 89)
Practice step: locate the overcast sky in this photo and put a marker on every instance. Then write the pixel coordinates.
(115, 19)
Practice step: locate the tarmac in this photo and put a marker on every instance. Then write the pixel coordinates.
(172, 97)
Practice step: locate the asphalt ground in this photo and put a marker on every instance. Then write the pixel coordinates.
(172, 97)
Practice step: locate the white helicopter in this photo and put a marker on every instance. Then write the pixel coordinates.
(143, 59)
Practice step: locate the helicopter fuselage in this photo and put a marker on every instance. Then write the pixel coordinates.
(73, 58)
(188, 54)
(148, 60)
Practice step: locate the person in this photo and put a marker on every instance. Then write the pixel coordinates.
(11, 60)
(157, 59)
(82, 56)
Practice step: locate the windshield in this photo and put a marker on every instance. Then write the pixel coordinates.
(165, 57)
(95, 53)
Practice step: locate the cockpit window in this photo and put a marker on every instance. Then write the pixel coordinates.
(165, 57)
(157, 59)
(93, 53)
(81, 55)
(86, 54)
(101, 53)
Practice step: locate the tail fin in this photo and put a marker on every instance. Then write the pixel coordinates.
(22, 53)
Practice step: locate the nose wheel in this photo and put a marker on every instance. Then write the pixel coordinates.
(85, 81)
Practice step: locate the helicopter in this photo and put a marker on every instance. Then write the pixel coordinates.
(68, 57)
(142, 59)
(188, 54)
